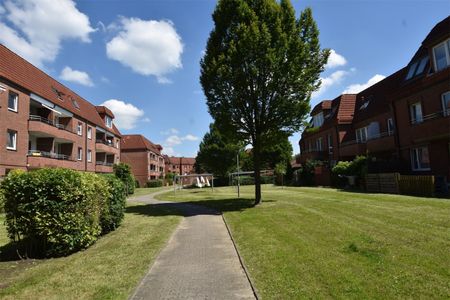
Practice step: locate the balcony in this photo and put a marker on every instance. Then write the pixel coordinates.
(313, 154)
(352, 149)
(382, 142)
(431, 127)
(103, 167)
(105, 146)
(37, 159)
(49, 128)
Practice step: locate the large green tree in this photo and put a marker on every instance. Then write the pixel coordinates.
(259, 70)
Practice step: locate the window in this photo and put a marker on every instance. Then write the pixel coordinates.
(11, 140)
(89, 155)
(441, 55)
(80, 153)
(318, 120)
(89, 132)
(390, 126)
(420, 159)
(319, 144)
(416, 113)
(75, 103)
(13, 100)
(108, 121)
(361, 135)
(446, 104)
(417, 67)
(80, 129)
(330, 143)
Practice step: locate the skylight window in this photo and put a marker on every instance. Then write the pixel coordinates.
(417, 67)
(75, 103)
(364, 105)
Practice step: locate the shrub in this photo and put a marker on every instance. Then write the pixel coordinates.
(54, 212)
(113, 213)
(154, 183)
(2, 203)
(123, 172)
(343, 168)
(307, 172)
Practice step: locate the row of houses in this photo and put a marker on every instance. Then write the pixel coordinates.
(402, 122)
(45, 124)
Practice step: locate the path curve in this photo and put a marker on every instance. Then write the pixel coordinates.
(198, 262)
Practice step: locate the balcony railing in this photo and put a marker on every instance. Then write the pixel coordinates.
(49, 122)
(53, 155)
(371, 138)
(436, 115)
(103, 163)
(105, 142)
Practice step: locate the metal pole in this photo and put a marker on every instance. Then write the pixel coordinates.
(238, 181)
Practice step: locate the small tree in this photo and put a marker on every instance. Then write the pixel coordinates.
(260, 68)
(123, 172)
(280, 170)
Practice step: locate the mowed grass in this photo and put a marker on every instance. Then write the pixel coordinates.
(146, 191)
(110, 269)
(324, 243)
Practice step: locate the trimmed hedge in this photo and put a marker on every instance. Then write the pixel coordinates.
(155, 183)
(55, 212)
(123, 172)
(248, 180)
(115, 206)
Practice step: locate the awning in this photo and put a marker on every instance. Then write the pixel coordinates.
(50, 105)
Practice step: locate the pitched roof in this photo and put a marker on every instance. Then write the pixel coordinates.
(139, 142)
(19, 71)
(375, 99)
(324, 105)
(104, 110)
(175, 160)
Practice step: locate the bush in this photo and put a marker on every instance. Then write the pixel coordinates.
(307, 172)
(54, 212)
(248, 180)
(123, 172)
(343, 168)
(2, 203)
(154, 183)
(113, 213)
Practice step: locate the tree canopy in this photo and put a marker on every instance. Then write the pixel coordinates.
(259, 70)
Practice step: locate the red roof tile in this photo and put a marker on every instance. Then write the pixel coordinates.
(19, 71)
(139, 142)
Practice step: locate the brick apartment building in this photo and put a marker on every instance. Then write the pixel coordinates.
(144, 157)
(45, 124)
(402, 122)
(180, 165)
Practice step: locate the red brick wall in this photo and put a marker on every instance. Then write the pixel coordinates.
(138, 160)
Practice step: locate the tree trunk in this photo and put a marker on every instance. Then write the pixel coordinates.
(256, 167)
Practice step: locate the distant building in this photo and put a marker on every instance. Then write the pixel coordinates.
(45, 124)
(180, 165)
(144, 157)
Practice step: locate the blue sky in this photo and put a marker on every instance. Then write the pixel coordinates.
(141, 58)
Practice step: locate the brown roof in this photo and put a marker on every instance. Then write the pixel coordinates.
(19, 71)
(104, 110)
(174, 160)
(375, 99)
(439, 32)
(324, 105)
(139, 142)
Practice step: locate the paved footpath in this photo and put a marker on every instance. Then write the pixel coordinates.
(198, 262)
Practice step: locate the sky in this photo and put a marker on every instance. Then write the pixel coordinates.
(141, 58)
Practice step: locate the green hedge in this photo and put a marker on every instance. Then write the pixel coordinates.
(55, 212)
(123, 172)
(115, 209)
(155, 183)
(2, 203)
(248, 180)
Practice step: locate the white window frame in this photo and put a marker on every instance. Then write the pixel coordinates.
(14, 139)
(80, 128)
(359, 136)
(319, 144)
(16, 101)
(445, 108)
(446, 44)
(414, 119)
(415, 156)
(108, 121)
(390, 126)
(330, 143)
(89, 132)
(80, 153)
(89, 155)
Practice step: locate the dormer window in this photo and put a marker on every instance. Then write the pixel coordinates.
(75, 103)
(417, 67)
(317, 120)
(108, 121)
(441, 54)
(364, 105)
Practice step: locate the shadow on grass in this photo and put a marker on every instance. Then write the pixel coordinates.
(192, 208)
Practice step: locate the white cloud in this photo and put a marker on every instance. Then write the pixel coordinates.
(169, 131)
(146, 120)
(335, 60)
(104, 79)
(147, 47)
(190, 137)
(356, 88)
(126, 114)
(170, 151)
(2, 10)
(39, 27)
(76, 76)
(327, 82)
(173, 140)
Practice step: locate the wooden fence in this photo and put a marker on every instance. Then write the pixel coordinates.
(394, 183)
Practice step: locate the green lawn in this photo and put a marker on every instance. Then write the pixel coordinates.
(110, 269)
(324, 243)
(145, 191)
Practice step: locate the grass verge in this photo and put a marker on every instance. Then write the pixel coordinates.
(325, 243)
(146, 191)
(110, 269)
